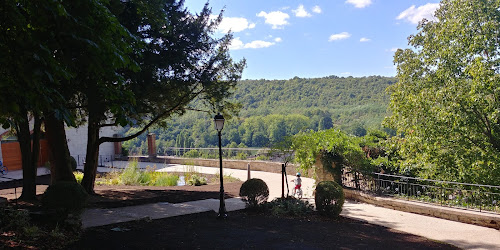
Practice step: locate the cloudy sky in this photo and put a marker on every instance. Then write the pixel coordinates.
(281, 39)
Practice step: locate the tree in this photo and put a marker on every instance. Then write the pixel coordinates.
(446, 101)
(179, 62)
(31, 72)
(333, 148)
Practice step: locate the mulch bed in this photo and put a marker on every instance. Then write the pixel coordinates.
(243, 230)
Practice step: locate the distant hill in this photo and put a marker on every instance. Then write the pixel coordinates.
(353, 104)
(346, 98)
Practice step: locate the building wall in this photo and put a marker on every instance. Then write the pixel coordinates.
(77, 142)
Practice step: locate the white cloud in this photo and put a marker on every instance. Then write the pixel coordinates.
(392, 49)
(364, 39)
(278, 39)
(236, 44)
(339, 36)
(257, 44)
(301, 12)
(235, 24)
(415, 15)
(359, 3)
(316, 9)
(345, 73)
(277, 19)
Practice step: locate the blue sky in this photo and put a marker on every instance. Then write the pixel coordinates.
(281, 39)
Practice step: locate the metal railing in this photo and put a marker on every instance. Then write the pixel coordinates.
(483, 198)
(213, 153)
(80, 160)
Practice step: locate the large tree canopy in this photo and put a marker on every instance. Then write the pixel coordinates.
(180, 60)
(446, 101)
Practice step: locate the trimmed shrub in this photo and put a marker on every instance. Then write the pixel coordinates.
(329, 198)
(288, 207)
(254, 192)
(66, 195)
(73, 163)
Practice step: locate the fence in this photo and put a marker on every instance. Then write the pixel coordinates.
(446, 193)
(80, 160)
(213, 153)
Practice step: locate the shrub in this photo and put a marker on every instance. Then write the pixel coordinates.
(196, 180)
(329, 198)
(131, 174)
(288, 207)
(78, 176)
(66, 195)
(254, 192)
(166, 180)
(191, 154)
(73, 163)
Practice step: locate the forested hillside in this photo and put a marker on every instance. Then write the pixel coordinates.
(272, 109)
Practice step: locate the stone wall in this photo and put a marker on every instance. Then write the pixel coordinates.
(265, 166)
(448, 213)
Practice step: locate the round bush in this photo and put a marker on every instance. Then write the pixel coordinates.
(329, 198)
(73, 163)
(254, 192)
(66, 195)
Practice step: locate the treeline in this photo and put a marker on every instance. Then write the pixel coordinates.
(273, 109)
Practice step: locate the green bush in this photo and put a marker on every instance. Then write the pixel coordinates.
(196, 180)
(191, 154)
(166, 179)
(66, 195)
(78, 176)
(131, 175)
(254, 192)
(288, 207)
(73, 163)
(329, 198)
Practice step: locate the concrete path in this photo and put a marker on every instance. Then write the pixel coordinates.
(99, 217)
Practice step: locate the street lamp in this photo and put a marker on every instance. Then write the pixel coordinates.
(219, 125)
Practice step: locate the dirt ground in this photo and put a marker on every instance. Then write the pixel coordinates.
(240, 230)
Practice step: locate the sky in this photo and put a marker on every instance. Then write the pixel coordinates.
(282, 39)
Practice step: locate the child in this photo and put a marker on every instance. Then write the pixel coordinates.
(298, 183)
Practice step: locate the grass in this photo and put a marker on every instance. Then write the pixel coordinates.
(133, 175)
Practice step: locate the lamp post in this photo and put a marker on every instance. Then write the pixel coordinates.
(219, 125)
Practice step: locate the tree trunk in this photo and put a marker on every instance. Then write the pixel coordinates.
(60, 166)
(91, 159)
(29, 172)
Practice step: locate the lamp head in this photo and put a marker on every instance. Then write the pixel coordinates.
(219, 122)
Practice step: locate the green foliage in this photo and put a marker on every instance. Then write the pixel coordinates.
(192, 154)
(13, 219)
(166, 180)
(266, 119)
(78, 176)
(196, 180)
(333, 148)
(287, 207)
(329, 198)
(131, 175)
(445, 103)
(254, 192)
(66, 195)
